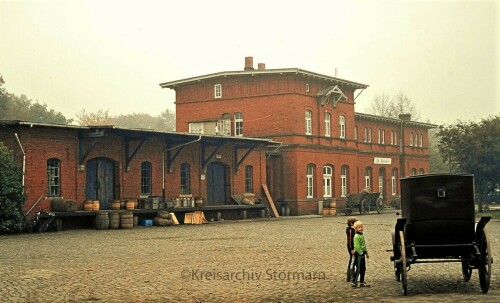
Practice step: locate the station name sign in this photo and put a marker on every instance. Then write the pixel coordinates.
(382, 160)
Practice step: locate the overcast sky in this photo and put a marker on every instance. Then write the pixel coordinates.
(112, 55)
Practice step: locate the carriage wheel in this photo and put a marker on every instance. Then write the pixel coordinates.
(404, 273)
(485, 263)
(380, 205)
(397, 255)
(466, 270)
(364, 207)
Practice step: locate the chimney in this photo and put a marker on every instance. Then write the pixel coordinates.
(262, 66)
(405, 117)
(249, 63)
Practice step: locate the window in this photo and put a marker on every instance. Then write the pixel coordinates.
(238, 124)
(383, 136)
(416, 140)
(381, 181)
(327, 124)
(218, 91)
(394, 183)
(54, 177)
(411, 139)
(368, 135)
(342, 127)
(196, 128)
(185, 178)
(249, 179)
(392, 137)
(310, 180)
(343, 180)
(368, 177)
(307, 87)
(356, 133)
(413, 171)
(421, 140)
(308, 122)
(145, 178)
(421, 171)
(327, 181)
(379, 136)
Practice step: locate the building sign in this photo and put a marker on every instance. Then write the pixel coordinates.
(382, 160)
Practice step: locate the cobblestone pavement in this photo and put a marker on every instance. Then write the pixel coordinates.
(264, 260)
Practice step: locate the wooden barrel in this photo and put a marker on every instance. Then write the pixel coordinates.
(95, 205)
(102, 220)
(114, 220)
(115, 204)
(130, 204)
(88, 205)
(127, 220)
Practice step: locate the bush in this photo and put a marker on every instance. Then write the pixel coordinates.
(11, 193)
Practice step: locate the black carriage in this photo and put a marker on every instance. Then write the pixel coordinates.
(437, 224)
(364, 203)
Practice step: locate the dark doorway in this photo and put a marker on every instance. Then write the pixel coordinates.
(100, 181)
(216, 184)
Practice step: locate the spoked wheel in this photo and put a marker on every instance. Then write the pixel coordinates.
(404, 273)
(397, 255)
(380, 205)
(466, 270)
(485, 263)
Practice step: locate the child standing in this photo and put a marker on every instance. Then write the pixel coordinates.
(359, 255)
(349, 230)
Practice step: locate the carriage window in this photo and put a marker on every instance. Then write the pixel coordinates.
(327, 181)
(249, 179)
(54, 177)
(310, 180)
(185, 179)
(146, 178)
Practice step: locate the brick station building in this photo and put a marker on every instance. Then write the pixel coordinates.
(106, 163)
(328, 150)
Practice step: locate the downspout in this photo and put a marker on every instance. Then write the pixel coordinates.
(24, 158)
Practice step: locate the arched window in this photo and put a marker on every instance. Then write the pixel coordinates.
(381, 181)
(394, 184)
(308, 116)
(411, 139)
(421, 140)
(328, 118)
(145, 178)
(327, 181)
(54, 177)
(238, 124)
(413, 171)
(368, 177)
(344, 175)
(421, 171)
(310, 180)
(342, 127)
(185, 178)
(249, 179)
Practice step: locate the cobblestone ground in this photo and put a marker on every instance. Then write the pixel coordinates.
(262, 260)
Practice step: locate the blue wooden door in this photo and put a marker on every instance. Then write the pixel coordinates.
(100, 181)
(216, 183)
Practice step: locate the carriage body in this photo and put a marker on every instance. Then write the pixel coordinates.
(437, 224)
(364, 202)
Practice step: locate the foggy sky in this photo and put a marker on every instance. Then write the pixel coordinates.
(112, 55)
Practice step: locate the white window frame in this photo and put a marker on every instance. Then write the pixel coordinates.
(307, 88)
(421, 140)
(344, 171)
(393, 182)
(368, 173)
(328, 119)
(238, 124)
(310, 181)
(342, 126)
(381, 185)
(217, 91)
(196, 128)
(413, 172)
(383, 136)
(416, 140)
(392, 137)
(327, 181)
(308, 118)
(411, 139)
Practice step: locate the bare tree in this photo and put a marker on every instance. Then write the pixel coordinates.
(98, 118)
(386, 106)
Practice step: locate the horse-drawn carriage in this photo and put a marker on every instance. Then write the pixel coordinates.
(437, 224)
(364, 202)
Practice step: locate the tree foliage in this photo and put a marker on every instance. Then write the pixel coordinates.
(14, 107)
(11, 193)
(473, 147)
(163, 122)
(391, 106)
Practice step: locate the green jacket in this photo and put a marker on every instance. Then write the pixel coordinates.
(359, 244)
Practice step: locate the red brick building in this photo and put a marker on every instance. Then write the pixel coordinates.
(106, 163)
(328, 150)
